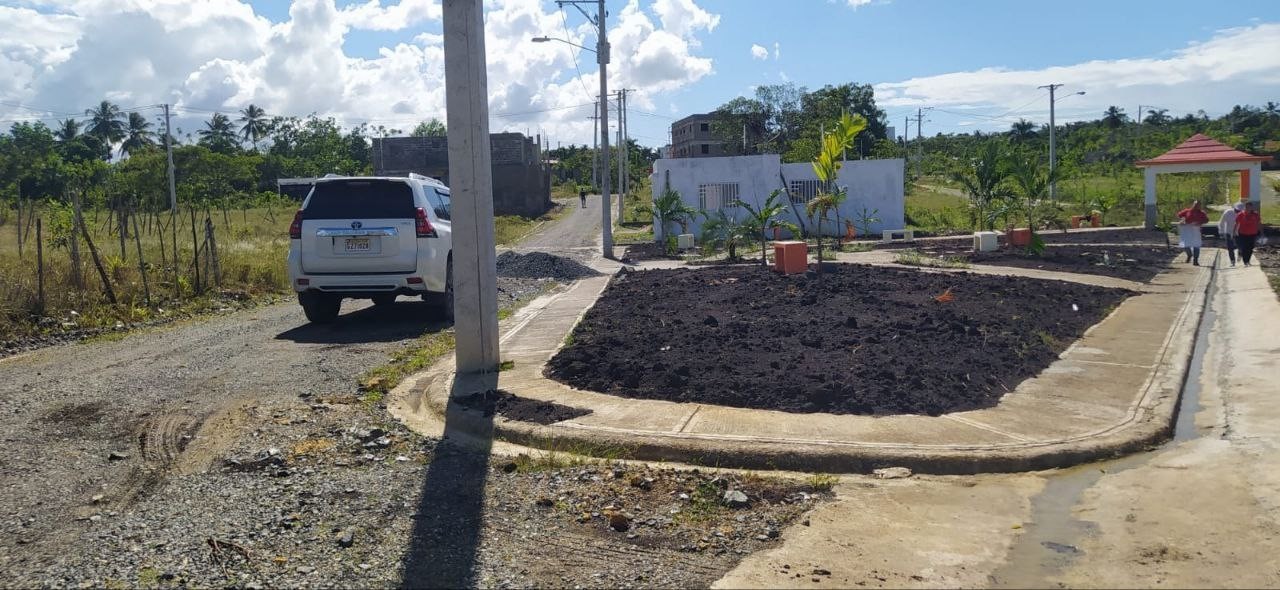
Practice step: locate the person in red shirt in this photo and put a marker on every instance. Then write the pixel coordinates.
(1189, 222)
(1248, 228)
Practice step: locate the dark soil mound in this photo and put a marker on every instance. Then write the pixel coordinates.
(863, 340)
(1107, 236)
(513, 407)
(1134, 263)
(648, 251)
(540, 265)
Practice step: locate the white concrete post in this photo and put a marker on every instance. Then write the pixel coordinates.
(471, 174)
(1150, 190)
(1255, 184)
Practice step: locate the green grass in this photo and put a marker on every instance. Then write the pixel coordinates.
(252, 248)
(822, 482)
(424, 352)
(554, 453)
(915, 258)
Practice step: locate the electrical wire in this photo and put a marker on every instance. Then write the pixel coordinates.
(574, 54)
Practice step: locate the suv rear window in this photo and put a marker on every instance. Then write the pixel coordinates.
(367, 199)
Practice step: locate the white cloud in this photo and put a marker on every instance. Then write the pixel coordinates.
(1236, 66)
(759, 52)
(393, 17)
(856, 3)
(220, 55)
(683, 18)
(777, 51)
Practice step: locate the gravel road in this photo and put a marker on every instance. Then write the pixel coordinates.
(235, 451)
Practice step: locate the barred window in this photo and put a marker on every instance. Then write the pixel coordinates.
(804, 190)
(717, 196)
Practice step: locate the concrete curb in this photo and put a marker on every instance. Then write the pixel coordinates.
(1148, 421)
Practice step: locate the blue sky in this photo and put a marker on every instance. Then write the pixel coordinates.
(977, 63)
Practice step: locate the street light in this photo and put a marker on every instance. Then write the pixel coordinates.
(547, 39)
(1053, 160)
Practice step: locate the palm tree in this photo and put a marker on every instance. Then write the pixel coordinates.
(68, 130)
(984, 181)
(218, 134)
(760, 219)
(1023, 130)
(1157, 117)
(827, 166)
(1032, 180)
(1114, 117)
(721, 229)
(666, 209)
(106, 122)
(255, 124)
(138, 134)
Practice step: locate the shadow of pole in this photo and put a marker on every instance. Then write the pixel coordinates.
(450, 512)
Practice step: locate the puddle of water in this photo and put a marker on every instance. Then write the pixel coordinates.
(1049, 542)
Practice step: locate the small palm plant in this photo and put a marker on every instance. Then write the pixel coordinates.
(723, 231)
(666, 209)
(984, 182)
(827, 166)
(760, 220)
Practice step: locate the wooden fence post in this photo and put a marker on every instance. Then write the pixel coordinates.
(213, 251)
(195, 254)
(97, 263)
(77, 278)
(40, 266)
(142, 263)
(122, 225)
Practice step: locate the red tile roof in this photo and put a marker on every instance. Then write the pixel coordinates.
(1199, 149)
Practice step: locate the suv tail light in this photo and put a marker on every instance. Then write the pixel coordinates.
(424, 226)
(295, 228)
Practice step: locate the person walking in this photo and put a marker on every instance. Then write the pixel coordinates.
(1227, 230)
(582, 197)
(1190, 220)
(1248, 229)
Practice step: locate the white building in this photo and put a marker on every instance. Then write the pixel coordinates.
(875, 188)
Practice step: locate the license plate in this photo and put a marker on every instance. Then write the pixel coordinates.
(357, 245)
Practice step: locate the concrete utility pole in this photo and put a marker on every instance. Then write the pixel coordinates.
(475, 283)
(168, 148)
(602, 58)
(1053, 146)
(622, 150)
(595, 150)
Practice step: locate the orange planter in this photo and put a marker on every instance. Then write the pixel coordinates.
(1095, 221)
(1020, 237)
(1076, 220)
(790, 257)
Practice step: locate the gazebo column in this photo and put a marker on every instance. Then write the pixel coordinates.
(1253, 177)
(1150, 173)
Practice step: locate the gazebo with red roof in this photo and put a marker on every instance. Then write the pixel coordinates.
(1203, 154)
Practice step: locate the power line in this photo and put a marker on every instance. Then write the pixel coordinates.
(574, 54)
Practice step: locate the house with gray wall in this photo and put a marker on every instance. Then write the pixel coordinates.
(521, 181)
(691, 138)
(708, 184)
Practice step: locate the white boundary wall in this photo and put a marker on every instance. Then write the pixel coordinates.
(873, 184)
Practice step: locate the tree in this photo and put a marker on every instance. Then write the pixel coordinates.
(723, 230)
(1032, 179)
(983, 180)
(1021, 131)
(218, 134)
(430, 128)
(254, 124)
(68, 129)
(1157, 117)
(669, 207)
(827, 167)
(138, 134)
(1114, 117)
(106, 122)
(760, 219)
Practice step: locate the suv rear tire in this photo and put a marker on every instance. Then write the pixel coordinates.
(320, 308)
(443, 302)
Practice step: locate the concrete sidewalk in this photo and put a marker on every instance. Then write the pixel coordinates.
(1114, 391)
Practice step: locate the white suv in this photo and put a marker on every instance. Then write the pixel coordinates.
(372, 238)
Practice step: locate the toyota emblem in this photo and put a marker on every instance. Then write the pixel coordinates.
(356, 225)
